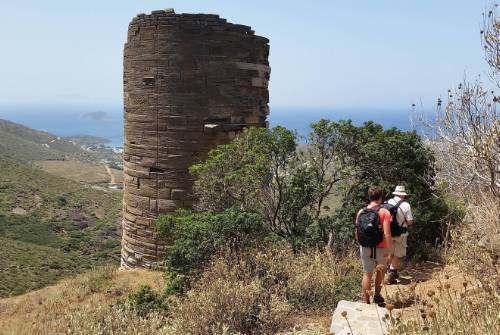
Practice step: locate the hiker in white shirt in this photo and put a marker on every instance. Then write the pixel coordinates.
(404, 218)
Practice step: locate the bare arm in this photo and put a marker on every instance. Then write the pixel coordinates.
(356, 225)
(387, 232)
(408, 215)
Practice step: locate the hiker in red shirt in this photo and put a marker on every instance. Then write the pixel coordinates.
(373, 232)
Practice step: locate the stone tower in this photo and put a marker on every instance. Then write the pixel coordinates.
(191, 81)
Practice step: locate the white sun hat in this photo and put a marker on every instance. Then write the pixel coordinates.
(400, 190)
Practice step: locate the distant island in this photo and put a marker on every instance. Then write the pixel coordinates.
(97, 116)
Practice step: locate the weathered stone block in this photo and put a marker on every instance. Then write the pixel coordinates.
(364, 319)
(178, 194)
(166, 206)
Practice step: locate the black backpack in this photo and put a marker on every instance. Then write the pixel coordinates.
(369, 228)
(396, 229)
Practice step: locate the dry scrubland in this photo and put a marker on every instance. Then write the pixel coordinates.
(76, 170)
(228, 295)
(86, 172)
(61, 308)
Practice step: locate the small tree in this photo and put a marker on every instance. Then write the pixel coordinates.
(465, 133)
(235, 173)
(260, 171)
(491, 42)
(326, 159)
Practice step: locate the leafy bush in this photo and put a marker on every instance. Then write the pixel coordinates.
(196, 237)
(146, 301)
(264, 171)
(260, 171)
(61, 201)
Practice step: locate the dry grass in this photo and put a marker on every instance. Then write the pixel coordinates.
(54, 309)
(228, 297)
(476, 242)
(313, 280)
(466, 308)
(464, 298)
(91, 173)
(252, 294)
(266, 292)
(261, 293)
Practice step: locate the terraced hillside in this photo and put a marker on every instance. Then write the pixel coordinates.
(52, 227)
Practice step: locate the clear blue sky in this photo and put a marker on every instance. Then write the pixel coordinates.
(328, 53)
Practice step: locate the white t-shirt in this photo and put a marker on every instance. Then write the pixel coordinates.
(404, 211)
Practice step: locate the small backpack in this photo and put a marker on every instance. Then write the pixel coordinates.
(369, 228)
(396, 229)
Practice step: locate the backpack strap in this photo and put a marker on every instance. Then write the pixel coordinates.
(397, 205)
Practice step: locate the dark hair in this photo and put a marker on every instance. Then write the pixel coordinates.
(374, 193)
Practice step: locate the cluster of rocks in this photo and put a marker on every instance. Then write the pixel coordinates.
(191, 81)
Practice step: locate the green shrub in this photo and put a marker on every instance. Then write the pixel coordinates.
(146, 301)
(260, 171)
(61, 201)
(195, 237)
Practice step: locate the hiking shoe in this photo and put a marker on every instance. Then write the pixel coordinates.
(391, 278)
(379, 300)
(395, 273)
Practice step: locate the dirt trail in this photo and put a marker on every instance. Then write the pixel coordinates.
(111, 174)
(422, 278)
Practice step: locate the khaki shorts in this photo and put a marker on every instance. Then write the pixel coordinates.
(400, 245)
(369, 263)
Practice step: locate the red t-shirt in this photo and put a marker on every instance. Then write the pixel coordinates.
(385, 219)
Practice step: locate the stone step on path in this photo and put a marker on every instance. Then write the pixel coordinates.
(363, 319)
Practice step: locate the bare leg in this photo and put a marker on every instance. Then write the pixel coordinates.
(396, 262)
(379, 277)
(366, 286)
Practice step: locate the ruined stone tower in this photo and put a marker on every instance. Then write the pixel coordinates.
(191, 81)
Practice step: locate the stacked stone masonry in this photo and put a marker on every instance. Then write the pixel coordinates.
(191, 82)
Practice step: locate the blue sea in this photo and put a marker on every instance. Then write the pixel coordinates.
(107, 122)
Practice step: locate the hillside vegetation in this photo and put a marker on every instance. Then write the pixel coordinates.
(51, 227)
(25, 144)
(69, 305)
